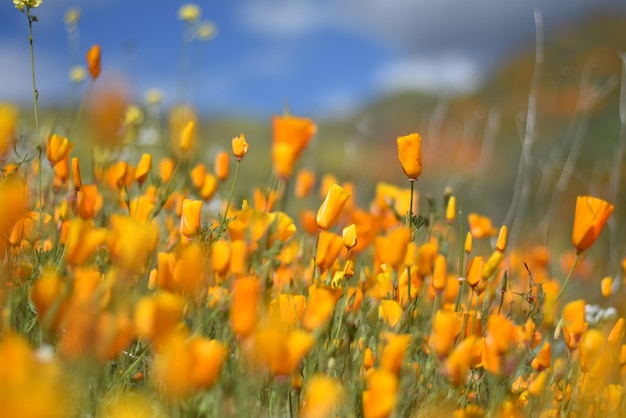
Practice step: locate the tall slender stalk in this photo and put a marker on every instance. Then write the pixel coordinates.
(569, 277)
(230, 198)
(32, 19)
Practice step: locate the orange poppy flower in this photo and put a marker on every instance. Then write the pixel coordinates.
(280, 350)
(94, 61)
(392, 353)
(543, 359)
(445, 328)
(390, 312)
(501, 334)
(502, 238)
(410, 155)
(49, 297)
(293, 130)
(439, 277)
(131, 242)
(187, 136)
(76, 178)
(188, 273)
(380, 397)
(589, 219)
(460, 359)
(320, 306)
(239, 147)
(349, 236)
(222, 166)
(58, 148)
(451, 210)
(166, 169)
(480, 226)
(391, 249)
(207, 359)
(143, 168)
(82, 241)
(158, 315)
(592, 348)
(244, 305)
(190, 220)
(88, 201)
(330, 209)
(322, 396)
(305, 182)
(329, 246)
(209, 187)
(284, 156)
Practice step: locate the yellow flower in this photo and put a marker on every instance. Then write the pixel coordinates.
(330, 209)
(143, 168)
(480, 226)
(380, 397)
(82, 241)
(30, 4)
(8, 124)
(295, 133)
(72, 16)
(244, 305)
(240, 147)
(133, 116)
(322, 396)
(189, 12)
(349, 236)
(94, 62)
(410, 155)
(58, 148)
(589, 219)
(190, 220)
(77, 74)
(390, 312)
(222, 166)
(206, 31)
(153, 96)
(187, 136)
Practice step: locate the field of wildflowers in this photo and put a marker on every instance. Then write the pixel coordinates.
(144, 288)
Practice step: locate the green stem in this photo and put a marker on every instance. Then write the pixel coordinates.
(81, 109)
(461, 272)
(230, 198)
(411, 229)
(569, 276)
(32, 19)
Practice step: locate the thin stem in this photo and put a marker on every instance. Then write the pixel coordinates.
(461, 255)
(569, 276)
(230, 198)
(81, 110)
(32, 19)
(411, 229)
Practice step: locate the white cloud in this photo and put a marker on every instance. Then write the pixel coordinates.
(448, 73)
(338, 104)
(280, 18)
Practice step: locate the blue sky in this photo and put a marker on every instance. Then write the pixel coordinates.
(325, 57)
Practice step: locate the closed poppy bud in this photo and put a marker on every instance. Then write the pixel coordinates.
(187, 136)
(501, 241)
(606, 286)
(475, 271)
(198, 174)
(243, 308)
(467, 247)
(617, 333)
(445, 328)
(166, 169)
(222, 166)
(330, 209)
(143, 168)
(58, 148)
(190, 220)
(492, 264)
(305, 181)
(543, 358)
(535, 388)
(410, 155)
(574, 317)
(439, 273)
(76, 178)
(220, 256)
(589, 219)
(240, 147)
(209, 187)
(451, 210)
(94, 61)
(349, 236)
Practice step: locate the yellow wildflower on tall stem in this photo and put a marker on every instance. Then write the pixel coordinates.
(589, 218)
(240, 149)
(410, 156)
